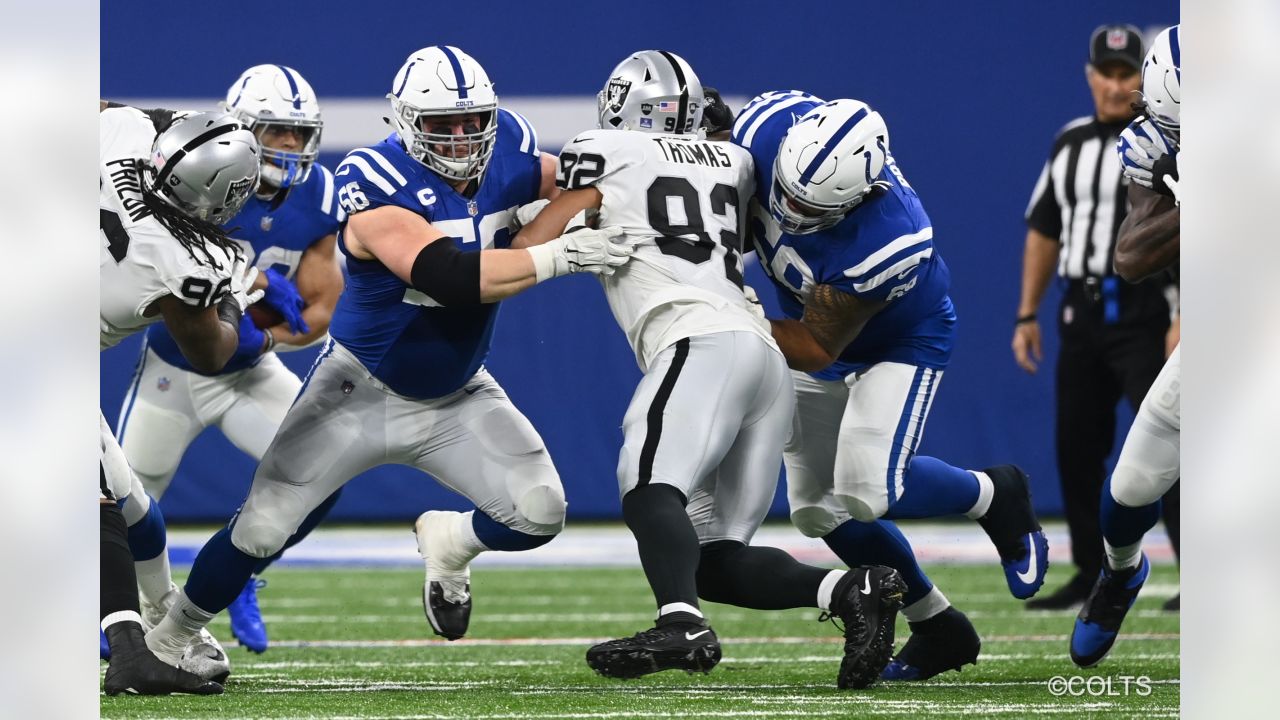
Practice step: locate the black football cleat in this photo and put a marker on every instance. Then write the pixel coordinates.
(134, 669)
(946, 641)
(689, 646)
(1068, 597)
(866, 600)
(1011, 524)
(448, 618)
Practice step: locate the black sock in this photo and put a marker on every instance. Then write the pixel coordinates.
(761, 578)
(119, 583)
(667, 541)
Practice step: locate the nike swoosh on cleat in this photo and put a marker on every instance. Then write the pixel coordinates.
(1029, 576)
(866, 585)
(695, 636)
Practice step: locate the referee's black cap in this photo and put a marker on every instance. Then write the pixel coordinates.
(1116, 43)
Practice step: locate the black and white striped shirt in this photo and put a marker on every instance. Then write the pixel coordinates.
(1082, 197)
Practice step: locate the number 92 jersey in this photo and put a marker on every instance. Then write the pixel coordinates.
(406, 339)
(140, 261)
(882, 251)
(687, 198)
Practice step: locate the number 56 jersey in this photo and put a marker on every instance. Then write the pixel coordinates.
(687, 198)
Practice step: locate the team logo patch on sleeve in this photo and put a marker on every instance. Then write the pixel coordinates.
(616, 93)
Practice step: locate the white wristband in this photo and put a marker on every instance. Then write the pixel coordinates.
(544, 260)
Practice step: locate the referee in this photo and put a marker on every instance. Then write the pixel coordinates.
(1113, 335)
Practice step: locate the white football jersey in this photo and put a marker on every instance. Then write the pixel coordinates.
(139, 260)
(688, 199)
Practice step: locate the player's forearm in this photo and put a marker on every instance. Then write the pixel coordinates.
(1039, 261)
(210, 352)
(801, 349)
(504, 273)
(317, 317)
(1148, 246)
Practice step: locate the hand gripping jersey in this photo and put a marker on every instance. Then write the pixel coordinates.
(881, 251)
(139, 260)
(271, 239)
(688, 198)
(404, 338)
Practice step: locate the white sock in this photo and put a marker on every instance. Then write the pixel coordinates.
(678, 607)
(154, 577)
(985, 492)
(468, 541)
(183, 622)
(1126, 556)
(927, 606)
(827, 587)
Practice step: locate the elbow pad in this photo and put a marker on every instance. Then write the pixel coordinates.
(446, 274)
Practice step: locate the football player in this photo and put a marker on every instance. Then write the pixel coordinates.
(1149, 242)
(704, 431)
(402, 379)
(868, 332)
(287, 230)
(164, 258)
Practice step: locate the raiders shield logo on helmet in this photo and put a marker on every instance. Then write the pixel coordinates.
(617, 93)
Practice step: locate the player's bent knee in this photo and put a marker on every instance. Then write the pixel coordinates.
(864, 509)
(814, 522)
(543, 507)
(258, 538)
(1135, 487)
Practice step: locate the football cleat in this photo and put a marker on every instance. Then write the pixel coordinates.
(1173, 604)
(1068, 597)
(135, 670)
(946, 641)
(1011, 524)
(104, 647)
(446, 594)
(866, 600)
(689, 646)
(246, 620)
(1099, 620)
(204, 656)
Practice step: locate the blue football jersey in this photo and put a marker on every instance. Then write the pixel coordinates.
(272, 239)
(882, 251)
(404, 338)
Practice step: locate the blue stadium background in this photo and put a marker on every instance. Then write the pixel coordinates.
(972, 92)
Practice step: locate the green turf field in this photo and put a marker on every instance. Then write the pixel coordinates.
(352, 643)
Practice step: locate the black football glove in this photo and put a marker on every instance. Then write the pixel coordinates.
(716, 116)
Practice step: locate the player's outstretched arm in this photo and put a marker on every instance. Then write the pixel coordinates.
(832, 319)
(427, 260)
(319, 282)
(551, 222)
(1150, 236)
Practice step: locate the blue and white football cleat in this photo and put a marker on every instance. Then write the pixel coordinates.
(1099, 621)
(246, 619)
(1011, 524)
(104, 647)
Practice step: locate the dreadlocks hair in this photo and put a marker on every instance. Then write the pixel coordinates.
(192, 233)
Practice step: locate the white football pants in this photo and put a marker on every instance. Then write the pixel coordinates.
(167, 407)
(1150, 461)
(473, 441)
(852, 441)
(709, 418)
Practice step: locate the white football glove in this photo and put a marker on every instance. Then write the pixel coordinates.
(527, 212)
(598, 252)
(242, 277)
(1140, 145)
(1173, 187)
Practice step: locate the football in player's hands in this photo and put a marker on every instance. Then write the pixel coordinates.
(264, 316)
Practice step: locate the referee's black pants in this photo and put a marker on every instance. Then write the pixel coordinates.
(1098, 364)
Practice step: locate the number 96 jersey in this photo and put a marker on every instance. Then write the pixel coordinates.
(140, 261)
(687, 198)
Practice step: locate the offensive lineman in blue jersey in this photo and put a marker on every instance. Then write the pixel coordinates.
(402, 379)
(287, 230)
(868, 333)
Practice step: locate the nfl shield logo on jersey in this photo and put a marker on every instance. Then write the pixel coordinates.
(616, 94)
(472, 208)
(162, 384)
(265, 223)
